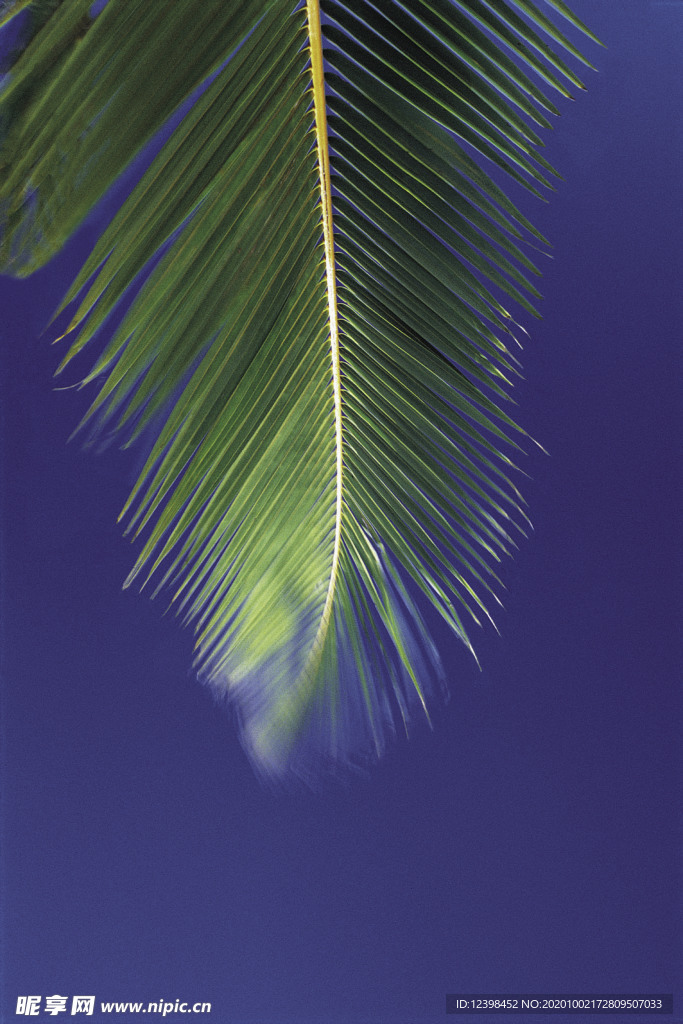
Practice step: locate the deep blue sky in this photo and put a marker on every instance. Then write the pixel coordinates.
(532, 841)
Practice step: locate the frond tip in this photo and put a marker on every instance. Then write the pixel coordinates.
(322, 272)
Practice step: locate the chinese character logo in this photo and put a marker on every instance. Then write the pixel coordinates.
(28, 1005)
(55, 1005)
(83, 1004)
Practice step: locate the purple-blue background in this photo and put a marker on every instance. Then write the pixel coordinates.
(532, 841)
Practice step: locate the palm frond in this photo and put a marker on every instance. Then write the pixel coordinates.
(318, 341)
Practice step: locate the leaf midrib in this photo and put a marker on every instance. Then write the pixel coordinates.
(322, 145)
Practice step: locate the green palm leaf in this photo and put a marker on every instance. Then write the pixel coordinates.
(317, 341)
